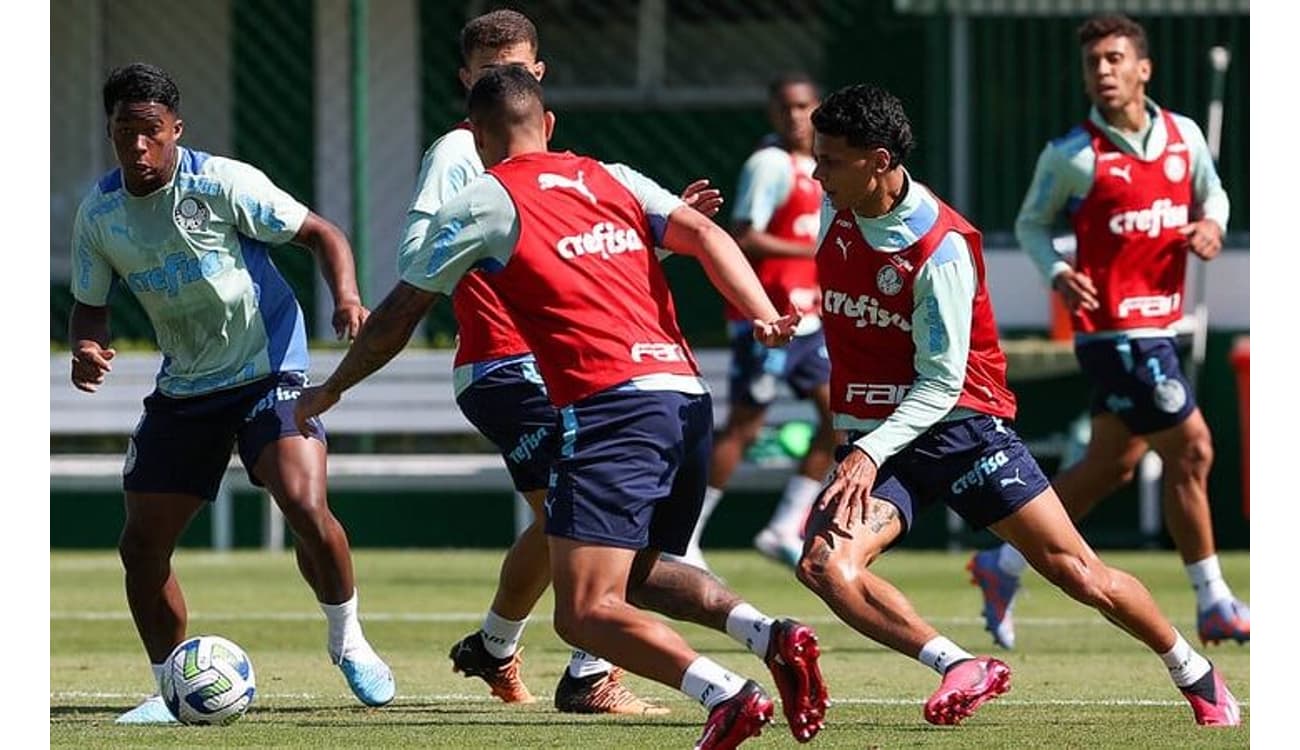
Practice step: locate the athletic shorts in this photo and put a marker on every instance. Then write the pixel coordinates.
(632, 469)
(1138, 380)
(510, 407)
(755, 369)
(978, 466)
(182, 445)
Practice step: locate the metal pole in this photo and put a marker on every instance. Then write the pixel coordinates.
(360, 24)
(959, 138)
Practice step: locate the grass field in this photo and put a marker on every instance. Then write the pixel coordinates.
(1076, 681)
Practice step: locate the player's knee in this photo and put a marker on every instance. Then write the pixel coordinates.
(1082, 581)
(139, 550)
(575, 619)
(822, 569)
(1197, 455)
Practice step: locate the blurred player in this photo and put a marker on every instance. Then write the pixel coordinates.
(775, 220)
(567, 242)
(189, 235)
(499, 390)
(919, 381)
(1138, 184)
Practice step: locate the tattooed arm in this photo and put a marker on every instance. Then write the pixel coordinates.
(385, 333)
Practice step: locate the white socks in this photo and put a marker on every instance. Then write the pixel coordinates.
(1185, 665)
(796, 501)
(710, 683)
(1207, 582)
(583, 664)
(501, 636)
(346, 640)
(750, 627)
(1010, 561)
(940, 653)
(712, 496)
(157, 676)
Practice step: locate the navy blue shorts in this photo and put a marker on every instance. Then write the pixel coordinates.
(1138, 380)
(755, 369)
(182, 445)
(510, 407)
(632, 469)
(978, 466)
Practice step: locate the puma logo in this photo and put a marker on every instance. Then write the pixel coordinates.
(843, 246)
(1123, 173)
(548, 180)
(1008, 481)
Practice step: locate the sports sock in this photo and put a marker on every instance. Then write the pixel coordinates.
(157, 675)
(796, 501)
(501, 636)
(583, 664)
(710, 683)
(750, 627)
(1010, 561)
(712, 496)
(1185, 665)
(1207, 582)
(346, 640)
(939, 654)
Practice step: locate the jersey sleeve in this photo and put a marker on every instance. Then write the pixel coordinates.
(478, 228)
(1046, 198)
(261, 210)
(447, 168)
(92, 276)
(766, 180)
(657, 202)
(944, 294)
(1208, 195)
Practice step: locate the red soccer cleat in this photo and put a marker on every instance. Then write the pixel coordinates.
(736, 719)
(965, 687)
(1212, 703)
(792, 653)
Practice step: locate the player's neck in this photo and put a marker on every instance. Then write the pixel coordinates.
(891, 190)
(797, 149)
(1131, 118)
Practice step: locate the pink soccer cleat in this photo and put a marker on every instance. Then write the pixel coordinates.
(792, 654)
(1212, 703)
(736, 719)
(965, 687)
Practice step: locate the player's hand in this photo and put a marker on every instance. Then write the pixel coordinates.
(848, 495)
(1077, 290)
(312, 402)
(1204, 238)
(348, 319)
(699, 196)
(90, 362)
(776, 332)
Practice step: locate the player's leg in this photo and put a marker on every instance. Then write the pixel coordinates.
(292, 468)
(1043, 532)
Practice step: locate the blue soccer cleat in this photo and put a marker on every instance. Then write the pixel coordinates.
(152, 711)
(371, 681)
(1225, 620)
(999, 591)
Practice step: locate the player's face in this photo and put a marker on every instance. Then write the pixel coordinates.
(849, 175)
(144, 136)
(483, 59)
(1113, 74)
(791, 114)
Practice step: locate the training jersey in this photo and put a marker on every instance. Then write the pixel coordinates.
(487, 338)
(567, 243)
(196, 254)
(1068, 171)
(940, 311)
(776, 194)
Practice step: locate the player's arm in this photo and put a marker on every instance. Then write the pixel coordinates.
(1210, 206)
(1048, 194)
(765, 183)
(92, 278)
(334, 254)
(447, 168)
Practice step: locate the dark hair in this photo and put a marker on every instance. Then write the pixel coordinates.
(1100, 27)
(867, 116)
(140, 82)
(497, 29)
(504, 96)
(791, 78)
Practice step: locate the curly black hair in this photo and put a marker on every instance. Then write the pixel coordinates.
(867, 116)
(504, 96)
(140, 82)
(1100, 27)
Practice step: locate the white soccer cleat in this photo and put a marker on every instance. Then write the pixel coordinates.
(152, 711)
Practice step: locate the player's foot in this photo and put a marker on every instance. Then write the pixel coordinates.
(736, 719)
(965, 687)
(601, 694)
(694, 557)
(783, 548)
(471, 658)
(152, 711)
(1225, 620)
(371, 681)
(1212, 703)
(792, 654)
(999, 590)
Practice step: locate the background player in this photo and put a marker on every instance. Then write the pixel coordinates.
(775, 222)
(189, 234)
(919, 381)
(1139, 186)
(567, 240)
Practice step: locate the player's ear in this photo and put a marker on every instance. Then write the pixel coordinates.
(465, 79)
(538, 69)
(178, 128)
(548, 121)
(1144, 69)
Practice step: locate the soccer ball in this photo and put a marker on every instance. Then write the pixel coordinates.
(207, 680)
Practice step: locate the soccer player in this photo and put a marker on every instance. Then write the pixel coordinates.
(567, 241)
(501, 393)
(188, 234)
(918, 380)
(1139, 186)
(775, 223)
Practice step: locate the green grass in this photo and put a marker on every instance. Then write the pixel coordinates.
(1077, 681)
